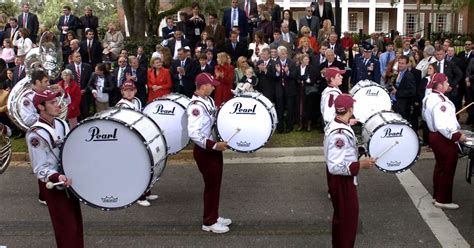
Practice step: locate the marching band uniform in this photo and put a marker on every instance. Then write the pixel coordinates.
(43, 146)
(327, 103)
(28, 113)
(341, 154)
(201, 118)
(134, 104)
(440, 116)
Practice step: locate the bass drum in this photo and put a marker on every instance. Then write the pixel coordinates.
(113, 158)
(169, 113)
(251, 113)
(370, 98)
(391, 139)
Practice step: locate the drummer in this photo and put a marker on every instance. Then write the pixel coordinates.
(129, 90)
(333, 76)
(341, 154)
(64, 209)
(207, 151)
(440, 116)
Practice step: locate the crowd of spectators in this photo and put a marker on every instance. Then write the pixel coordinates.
(287, 58)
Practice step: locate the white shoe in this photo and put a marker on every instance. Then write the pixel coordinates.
(216, 228)
(144, 203)
(224, 221)
(446, 205)
(235, 92)
(42, 202)
(329, 196)
(152, 197)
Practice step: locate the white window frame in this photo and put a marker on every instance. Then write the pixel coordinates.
(360, 21)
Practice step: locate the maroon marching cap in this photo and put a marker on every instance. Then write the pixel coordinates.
(44, 96)
(331, 72)
(206, 78)
(437, 78)
(128, 84)
(343, 102)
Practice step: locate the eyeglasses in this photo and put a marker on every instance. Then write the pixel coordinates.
(468, 44)
(121, 61)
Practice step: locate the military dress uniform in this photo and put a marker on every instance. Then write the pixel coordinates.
(43, 146)
(440, 116)
(201, 118)
(341, 154)
(362, 70)
(327, 103)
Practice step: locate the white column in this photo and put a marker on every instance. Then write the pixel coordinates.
(344, 16)
(286, 5)
(400, 16)
(372, 10)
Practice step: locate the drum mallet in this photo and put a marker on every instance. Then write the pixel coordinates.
(50, 185)
(388, 149)
(237, 130)
(462, 110)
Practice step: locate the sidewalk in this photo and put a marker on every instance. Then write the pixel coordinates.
(262, 156)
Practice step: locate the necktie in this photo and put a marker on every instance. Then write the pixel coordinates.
(24, 20)
(134, 72)
(234, 14)
(78, 73)
(233, 46)
(89, 46)
(365, 61)
(182, 64)
(467, 55)
(120, 77)
(65, 20)
(439, 65)
(247, 8)
(19, 72)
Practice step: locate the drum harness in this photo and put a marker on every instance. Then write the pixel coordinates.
(55, 142)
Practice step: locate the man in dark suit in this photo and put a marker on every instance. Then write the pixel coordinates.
(216, 31)
(265, 71)
(375, 41)
(167, 31)
(336, 47)
(178, 42)
(278, 41)
(89, 22)
(404, 89)
(366, 67)
(249, 7)
(234, 48)
(234, 16)
(29, 21)
(311, 21)
(323, 10)
(10, 32)
(118, 77)
(82, 73)
(91, 49)
(453, 73)
(19, 70)
(331, 61)
(287, 35)
(419, 41)
(183, 72)
(139, 76)
(285, 91)
(67, 22)
(142, 58)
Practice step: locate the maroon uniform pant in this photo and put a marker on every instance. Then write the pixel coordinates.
(446, 156)
(210, 164)
(346, 210)
(66, 217)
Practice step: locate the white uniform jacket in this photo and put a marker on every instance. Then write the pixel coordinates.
(43, 146)
(327, 103)
(440, 115)
(135, 104)
(201, 118)
(340, 149)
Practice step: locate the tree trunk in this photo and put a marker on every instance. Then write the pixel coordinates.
(129, 14)
(418, 16)
(153, 22)
(140, 20)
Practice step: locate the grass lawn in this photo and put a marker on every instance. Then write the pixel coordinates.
(303, 138)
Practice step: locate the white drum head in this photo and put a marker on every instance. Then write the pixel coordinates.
(120, 170)
(255, 121)
(170, 115)
(370, 100)
(395, 145)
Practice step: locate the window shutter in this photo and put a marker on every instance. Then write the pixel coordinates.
(385, 21)
(360, 20)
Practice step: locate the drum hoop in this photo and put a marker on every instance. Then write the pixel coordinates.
(162, 98)
(392, 171)
(376, 85)
(219, 137)
(150, 156)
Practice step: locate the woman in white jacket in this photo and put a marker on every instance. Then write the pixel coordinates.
(24, 44)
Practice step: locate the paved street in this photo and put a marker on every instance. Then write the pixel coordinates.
(272, 205)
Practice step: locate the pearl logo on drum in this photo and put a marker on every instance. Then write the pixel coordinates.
(243, 144)
(388, 133)
(370, 93)
(394, 163)
(96, 135)
(109, 199)
(160, 109)
(238, 109)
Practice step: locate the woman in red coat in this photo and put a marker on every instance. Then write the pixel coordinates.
(224, 73)
(159, 80)
(73, 89)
